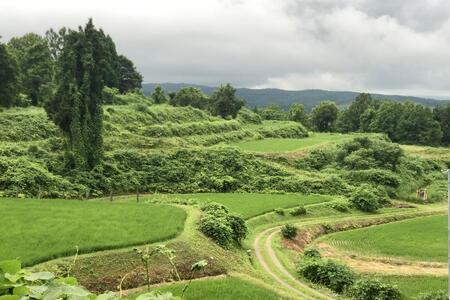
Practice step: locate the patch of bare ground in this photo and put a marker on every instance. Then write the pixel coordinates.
(383, 265)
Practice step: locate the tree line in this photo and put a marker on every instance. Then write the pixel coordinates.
(406, 122)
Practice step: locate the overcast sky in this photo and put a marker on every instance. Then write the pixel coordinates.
(389, 46)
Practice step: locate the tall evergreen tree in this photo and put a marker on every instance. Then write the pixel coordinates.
(442, 115)
(76, 107)
(129, 77)
(8, 77)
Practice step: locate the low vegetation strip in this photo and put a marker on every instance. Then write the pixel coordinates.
(287, 145)
(247, 205)
(39, 230)
(423, 239)
(228, 288)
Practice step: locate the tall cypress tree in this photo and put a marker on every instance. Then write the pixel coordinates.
(76, 107)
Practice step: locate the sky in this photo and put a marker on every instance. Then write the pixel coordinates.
(392, 46)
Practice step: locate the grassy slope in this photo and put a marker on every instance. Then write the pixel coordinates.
(37, 230)
(247, 205)
(419, 239)
(228, 288)
(411, 286)
(287, 145)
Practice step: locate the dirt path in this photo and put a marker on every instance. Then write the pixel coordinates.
(273, 267)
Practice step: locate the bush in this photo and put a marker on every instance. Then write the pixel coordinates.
(335, 276)
(279, 211)
(218, 229)
(298, 211)
(222, 227)
(317, 159)
(339, 206)
(369, 289)
(311, 253)
(366, 199)
(438, 295)
(289, 231)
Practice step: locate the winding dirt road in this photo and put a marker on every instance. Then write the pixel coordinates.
(271, 264)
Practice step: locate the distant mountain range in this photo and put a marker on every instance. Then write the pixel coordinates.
(309, 98)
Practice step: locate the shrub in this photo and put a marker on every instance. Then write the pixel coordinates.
(298, 211)
(311, 253)
(317, 159)
(218, 229)
(141, 107)
(339, 206)
(333, 275)
(369, 289)
(366, 199)
(289, 231)
(438, 295)
(222, 227)
(279, 211)
(239, 228)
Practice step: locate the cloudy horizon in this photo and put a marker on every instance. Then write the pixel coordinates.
(393, 47)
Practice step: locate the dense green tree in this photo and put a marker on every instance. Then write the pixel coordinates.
(417, 126)
(8, 77)
(35, 65)
(366, 119)
(297, 113)
(442, 115)
(55, 41)
(129, 78)
(76, 107)
(190, 96)
(350, 119)
(324, 116)
(386, 118)
(158, 95)
(273, 112)
(225, 103)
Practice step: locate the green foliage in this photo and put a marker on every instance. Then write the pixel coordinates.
(289, 231)
(297, 113)
(442, 115)
(223, 228)
(333, 275)
(351, 119)
(438, 295)
(370, 289)
(8, 77)
(225, 103)
(298, 211)
(36, 66)
(339, 206)
(158, 95)
(190, 96)
(366, 198)
(279, 211)
(273, 112)
(324, 116)
(76, 107)
(316, 159)
(246, 116)
(129, 78)
(311, 253)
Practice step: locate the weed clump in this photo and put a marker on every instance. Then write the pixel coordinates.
(289, 231)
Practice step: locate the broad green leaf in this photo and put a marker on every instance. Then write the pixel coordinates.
(67, 280)
(10, 266)
(13, 277)
(20, 291)
(40, 276)
(37, 291)
(58, 290)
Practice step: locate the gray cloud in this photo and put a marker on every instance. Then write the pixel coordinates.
(381, 46)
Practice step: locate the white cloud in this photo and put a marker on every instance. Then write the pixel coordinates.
(390, 46)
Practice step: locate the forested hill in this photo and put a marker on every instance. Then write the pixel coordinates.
(310, 98)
